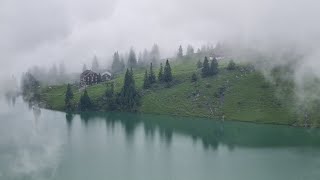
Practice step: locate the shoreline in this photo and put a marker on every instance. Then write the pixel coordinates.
(186, 116)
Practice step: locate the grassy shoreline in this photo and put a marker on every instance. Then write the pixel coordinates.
(238, 95)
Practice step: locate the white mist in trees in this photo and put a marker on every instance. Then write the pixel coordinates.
(132, 59)
(62, 69)
(84, 67)
(155, 54)
(117, 65)
(145, 56)
(95, 65)
(180, 52)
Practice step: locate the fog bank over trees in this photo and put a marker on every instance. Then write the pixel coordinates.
(43, 33)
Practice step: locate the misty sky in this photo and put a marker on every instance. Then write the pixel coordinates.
(72, 31)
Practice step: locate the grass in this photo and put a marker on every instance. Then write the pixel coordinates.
(247, 95)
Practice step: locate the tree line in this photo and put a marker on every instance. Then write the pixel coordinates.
(127, 99)
(164, 75)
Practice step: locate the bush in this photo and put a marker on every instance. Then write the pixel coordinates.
(231, 65)
(194, 77)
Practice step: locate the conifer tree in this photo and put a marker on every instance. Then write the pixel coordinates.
(111, 100)
(160, 75)
(167, 76)
(214, 67)
(129, 97)
(95, 65)
(68, 98)
(190, 50)
(85, 102)
(132, 60)
(205, 67)
(199, 64)
(180, 52)
(116, 63)
(146, 80)
(152, 76)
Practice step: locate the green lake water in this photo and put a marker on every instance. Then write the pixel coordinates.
(41, 145)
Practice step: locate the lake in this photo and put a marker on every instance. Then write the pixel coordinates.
(41, 145)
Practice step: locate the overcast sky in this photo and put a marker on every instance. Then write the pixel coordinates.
(46, 31)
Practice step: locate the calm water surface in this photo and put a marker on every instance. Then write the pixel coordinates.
(119, 146)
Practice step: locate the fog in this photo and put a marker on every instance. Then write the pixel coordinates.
(37, 32)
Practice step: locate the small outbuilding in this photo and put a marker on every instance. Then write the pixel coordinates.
(106, 76)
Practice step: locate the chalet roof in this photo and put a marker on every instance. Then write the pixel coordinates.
(87, 72)
(106, 73)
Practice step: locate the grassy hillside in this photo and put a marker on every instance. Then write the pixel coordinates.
(241, 94)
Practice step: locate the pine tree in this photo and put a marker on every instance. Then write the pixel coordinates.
(214, 67)
(167, 76)
(146, 80)
(199, 64)
(180, 52)
(129, 97)
(68, 98)
(160, 75)
(116, 63)
(85, 102)
(132, 60)
(111, 100)
(205, 67)
(190, 50)
(152, 76)
(95, 64)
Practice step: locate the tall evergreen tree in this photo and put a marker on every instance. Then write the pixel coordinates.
(152, 76)
(180, 52)
(190, 50)
(160, 75)
(132, 59)
(95, 65)
(146, 80)
(116, 63)
(68, 98)
(111, 99)
(199, 64)
(214, 66)
(167, 75)
(205, 67)
(145, 56)
(85, 103)
(129, 97)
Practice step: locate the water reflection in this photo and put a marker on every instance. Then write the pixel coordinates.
(208, 132)
(69, 118)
